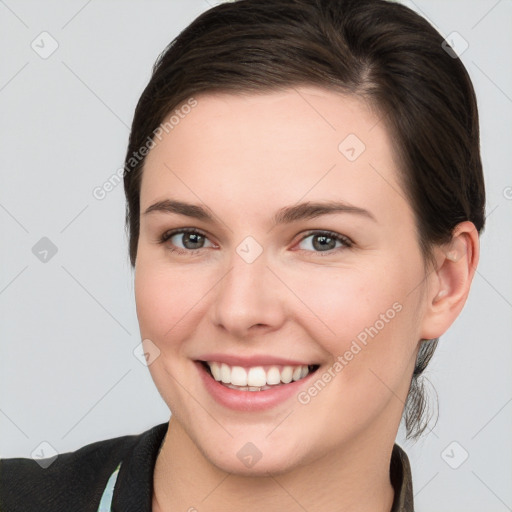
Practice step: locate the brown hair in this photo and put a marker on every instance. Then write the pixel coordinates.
(379, 50)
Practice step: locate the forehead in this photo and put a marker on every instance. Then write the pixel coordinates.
(286, 145)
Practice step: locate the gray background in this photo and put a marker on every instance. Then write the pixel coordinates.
(68, 375)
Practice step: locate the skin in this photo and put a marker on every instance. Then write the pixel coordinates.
(244, 157)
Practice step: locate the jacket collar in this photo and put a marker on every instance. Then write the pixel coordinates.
(401, 479)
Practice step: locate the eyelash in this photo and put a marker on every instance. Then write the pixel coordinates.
(347, 242)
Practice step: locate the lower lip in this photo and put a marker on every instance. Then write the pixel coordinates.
(250, 400)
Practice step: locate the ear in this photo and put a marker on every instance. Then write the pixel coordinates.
(450, 281)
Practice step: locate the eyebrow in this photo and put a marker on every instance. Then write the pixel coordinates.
(286, 215)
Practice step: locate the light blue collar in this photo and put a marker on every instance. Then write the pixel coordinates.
(108, 493)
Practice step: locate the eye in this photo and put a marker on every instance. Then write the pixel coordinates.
(324, 241)
(191, 240)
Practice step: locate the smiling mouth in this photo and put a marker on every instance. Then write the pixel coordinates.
(256, 378)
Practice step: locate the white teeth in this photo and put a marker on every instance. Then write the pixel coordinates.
(287, 374)
(256, 378)
(225, 373)
(273, 376)
(297, 372)
(239, 377)
(215, 368)
(247, 388)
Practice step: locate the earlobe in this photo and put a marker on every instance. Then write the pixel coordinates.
(450, 282)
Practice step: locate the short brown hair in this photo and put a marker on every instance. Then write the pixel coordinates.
(379, 50)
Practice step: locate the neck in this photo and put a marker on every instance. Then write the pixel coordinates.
(353, 478)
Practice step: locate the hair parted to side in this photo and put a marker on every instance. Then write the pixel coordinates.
(376, 49)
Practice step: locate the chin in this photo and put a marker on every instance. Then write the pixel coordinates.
(246, 458)
(261, 468)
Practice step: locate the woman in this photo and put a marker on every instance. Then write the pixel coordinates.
(304, 201)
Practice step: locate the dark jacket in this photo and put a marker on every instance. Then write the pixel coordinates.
(75, 481)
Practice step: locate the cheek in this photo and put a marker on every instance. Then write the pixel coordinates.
(343, 302)
(162, 298)
(368, 318)
(171, 300)
(367, 325)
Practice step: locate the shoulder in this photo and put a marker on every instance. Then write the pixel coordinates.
(73, 481)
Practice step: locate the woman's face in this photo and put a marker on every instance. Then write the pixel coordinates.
(260, 285)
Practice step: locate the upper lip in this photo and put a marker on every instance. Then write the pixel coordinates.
(255, 360)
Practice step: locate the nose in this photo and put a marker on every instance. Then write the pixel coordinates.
(249, 299)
